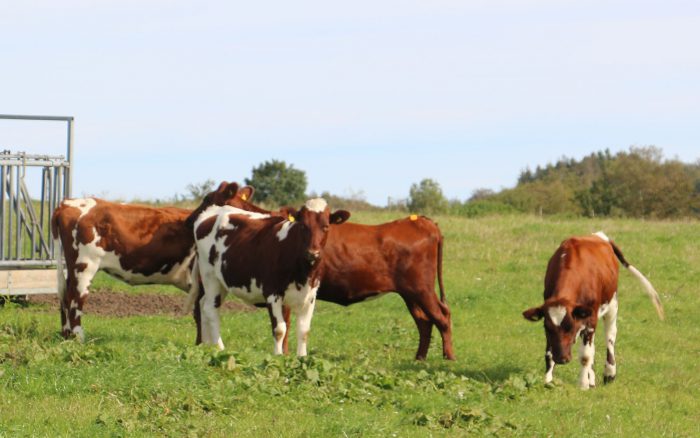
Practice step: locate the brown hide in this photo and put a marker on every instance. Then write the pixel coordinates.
(581, 276)
(403, 256)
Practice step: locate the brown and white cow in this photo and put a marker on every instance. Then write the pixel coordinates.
(579, 288)
(138, 244)
(365, 261)
(264, 260)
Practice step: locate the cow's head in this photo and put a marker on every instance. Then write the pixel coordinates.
(563, 321)
(225, 194)
(314, 219)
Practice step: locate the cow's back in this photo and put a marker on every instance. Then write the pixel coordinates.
(138, 240)
(362, 259)
(580, 269)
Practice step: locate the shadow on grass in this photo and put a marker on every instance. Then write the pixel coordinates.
(495, 374)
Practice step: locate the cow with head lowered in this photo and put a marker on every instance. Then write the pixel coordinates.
(580, 287)
(138, 244)
(361, 262)
(266, 260)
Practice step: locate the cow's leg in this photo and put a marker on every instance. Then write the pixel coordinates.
(279, 326)
(425, 327)
(287, 312)
(586, 354)
(78, 289)
(610, 321)
(447, 351)
(209, 303)
(197, 314)
(439, 315)
(304, 315)
(548, 364)
(65, 303)
(61, 287)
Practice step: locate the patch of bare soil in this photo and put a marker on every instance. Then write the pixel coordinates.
(121, 304)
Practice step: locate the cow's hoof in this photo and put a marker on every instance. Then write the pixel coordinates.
(608, 379)
(420, 357)
(449, 357)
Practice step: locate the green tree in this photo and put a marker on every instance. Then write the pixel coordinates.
(199, 190)
(277, 183)
(427, 197)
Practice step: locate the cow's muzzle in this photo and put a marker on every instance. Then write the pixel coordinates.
(313, 256)
(561, 359)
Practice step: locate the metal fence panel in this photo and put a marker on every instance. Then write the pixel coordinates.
(25, 231)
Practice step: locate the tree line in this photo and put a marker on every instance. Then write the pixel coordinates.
(638, 182)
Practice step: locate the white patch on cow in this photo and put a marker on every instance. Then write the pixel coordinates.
(89, 254)
(302, 301)
(254, 295)
(563, 255)
(78, 332)
(602, 236)
(82, 204)
(179, 274)
(280, 328)
(586, 354)
(549, 375)
(610, 323)
(284, 230)
(223, 211)
(603, 310)
(73, 304)
(66, 326)
(317, 205)
(557, 314)
(78, 313)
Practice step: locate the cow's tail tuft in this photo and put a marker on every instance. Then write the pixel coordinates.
(648, 288)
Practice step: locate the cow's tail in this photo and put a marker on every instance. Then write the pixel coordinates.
(439, 271)
(193, 294)
(58, 251)
(648, 288)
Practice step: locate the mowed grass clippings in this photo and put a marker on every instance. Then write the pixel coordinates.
(141, 376)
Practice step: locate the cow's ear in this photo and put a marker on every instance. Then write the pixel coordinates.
(246, 193)
(222, 187)
(581, 312)
(231, 190)
(339, 216)
(288, 212)
(534, 313)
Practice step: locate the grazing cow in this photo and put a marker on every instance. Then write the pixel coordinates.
(138, 244)
(581, 286)
(364, 261)
(264, 260)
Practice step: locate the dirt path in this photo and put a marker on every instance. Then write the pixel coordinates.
(122, 304)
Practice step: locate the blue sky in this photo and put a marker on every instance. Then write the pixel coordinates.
(365, 96)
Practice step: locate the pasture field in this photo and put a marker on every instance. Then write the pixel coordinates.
(141, 376)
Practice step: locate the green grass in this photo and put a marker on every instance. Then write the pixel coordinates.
(141, 377)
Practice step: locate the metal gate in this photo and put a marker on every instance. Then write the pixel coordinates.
(27, 252)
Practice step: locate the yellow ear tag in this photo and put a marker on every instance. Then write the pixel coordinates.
(290, 218)
(244, 197)
(413, 217)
